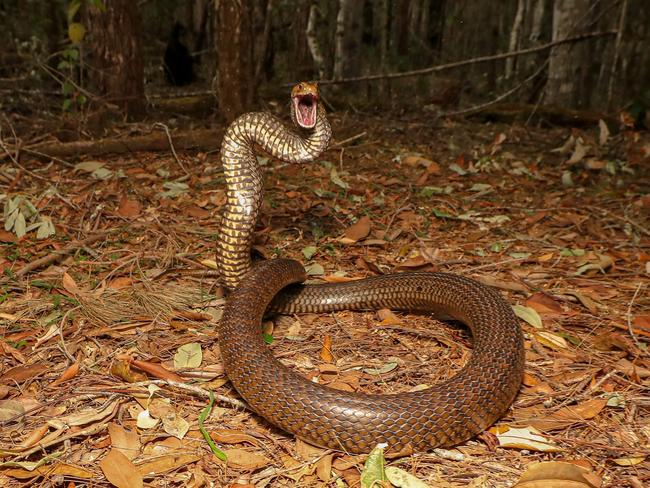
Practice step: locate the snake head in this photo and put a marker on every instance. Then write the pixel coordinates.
(304, 101)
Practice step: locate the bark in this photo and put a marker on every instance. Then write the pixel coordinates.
(514, 38)
(235, 72)
(568, 64)
(203, 139)
(303, 67)
(349, 29)
(313, 42)
(263, 55)
(382, 35)
(115, 55)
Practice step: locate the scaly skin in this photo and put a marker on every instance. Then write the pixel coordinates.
(445, 414)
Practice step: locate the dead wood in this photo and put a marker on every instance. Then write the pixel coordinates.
(202, 139)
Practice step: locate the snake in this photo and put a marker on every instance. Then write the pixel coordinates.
(444, 414)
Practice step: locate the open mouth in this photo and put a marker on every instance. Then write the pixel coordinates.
(304, 107)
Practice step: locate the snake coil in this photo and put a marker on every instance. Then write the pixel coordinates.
(448, 413)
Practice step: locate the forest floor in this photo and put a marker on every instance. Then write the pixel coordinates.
(109, 343)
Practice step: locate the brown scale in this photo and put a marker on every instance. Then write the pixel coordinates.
(448, 413)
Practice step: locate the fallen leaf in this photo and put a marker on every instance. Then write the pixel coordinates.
(19, 374)
(326, 351)
(373, 469)
(357, 231)
(554, 341)
(246, 460)
(11, 411)
(529, 315)
(526, 438)
(119, 471)
(125, 441)
(166, 463)
(556, 474)
(402, 479)
(129, 208)
(231, 436)
(629, 461)
(188, 356)
(542, 303)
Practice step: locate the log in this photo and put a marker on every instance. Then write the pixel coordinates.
(201, 139)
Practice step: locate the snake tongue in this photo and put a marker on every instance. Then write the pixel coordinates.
(305, 110)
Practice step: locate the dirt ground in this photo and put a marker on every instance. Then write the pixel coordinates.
(109, 345)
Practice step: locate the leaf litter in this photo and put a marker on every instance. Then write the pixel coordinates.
(109, 353)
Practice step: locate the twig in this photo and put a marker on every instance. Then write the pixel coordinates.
(171, 145)
(629, 316)
(465, 62)
(349, 139)
(481, 106)
(200, 392)
(58, 254)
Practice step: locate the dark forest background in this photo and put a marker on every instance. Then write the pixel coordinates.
(75, 56)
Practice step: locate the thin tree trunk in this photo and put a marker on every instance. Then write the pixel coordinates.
(514, 38)
(263, 43)
(567, 63)
(382, 27)
(235, 72)
(312, 41)
(116, 54)
(349, 22)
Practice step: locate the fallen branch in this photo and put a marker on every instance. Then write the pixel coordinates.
(204, 139)
(465, 62)
(58, 254)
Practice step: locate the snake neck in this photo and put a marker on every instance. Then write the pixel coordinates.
(244, 182)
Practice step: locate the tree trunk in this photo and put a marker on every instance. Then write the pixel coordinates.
(235, 72)
(514, 38)
(382, 29)
(313, 42)
(117, 67)
(349, 28)
(303, 67)
(568, 63)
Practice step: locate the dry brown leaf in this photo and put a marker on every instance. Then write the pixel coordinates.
(245, 460)
(70, 285)
(50, 470)
(22, 373)
(125, 441)
(197, 212)
(561, 418)
(155, 369)
(555, 474)
(128, 207)
(542, 303)
(122, 369)
(231, 436)
(35, 436)
(84, 417)
(387, 317)
(326, 351)
(357, 231)
(120, 471)
(324, 467)
(71, 372)
(162, 464)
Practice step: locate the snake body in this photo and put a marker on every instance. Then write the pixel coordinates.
(445, 414)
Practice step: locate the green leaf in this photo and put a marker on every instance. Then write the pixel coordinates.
(567, 180)
(454, 167)
(76, 32)
(519, 255)
(336, 179)
(268, 338)
(314, 269)
(205, 413)
(528, 315)
(188, 356)
(73, 8)
(440, 214)
(373, 469)
(309, 251)
(67, 104)
(480, 187)
(429, 191)
(401, 479)
(45, 229)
